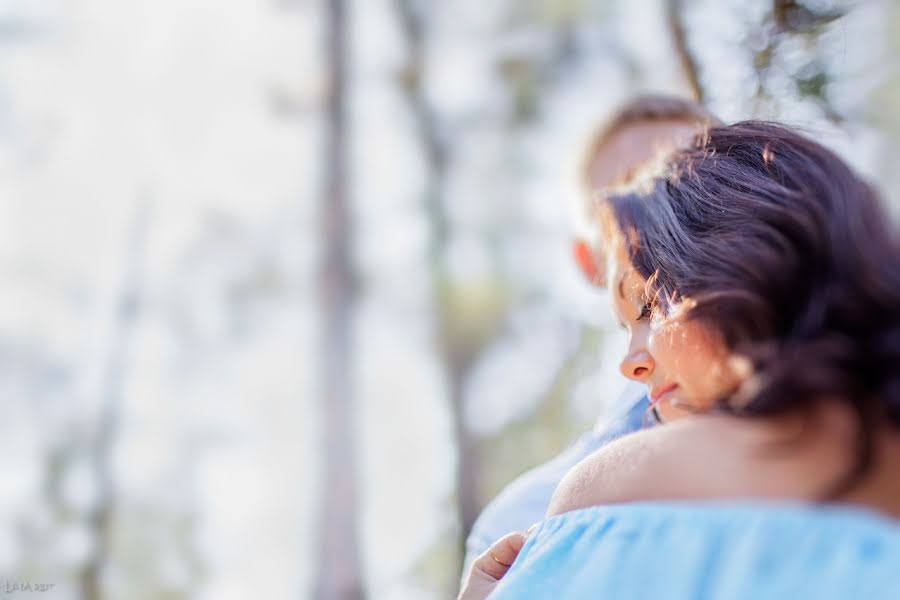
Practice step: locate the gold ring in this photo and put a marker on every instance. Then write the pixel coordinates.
(497, 560)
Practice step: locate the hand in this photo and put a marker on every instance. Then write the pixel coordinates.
(490, 567)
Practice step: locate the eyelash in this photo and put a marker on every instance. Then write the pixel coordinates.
(646, 311)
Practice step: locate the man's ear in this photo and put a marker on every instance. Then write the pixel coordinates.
(588, 262)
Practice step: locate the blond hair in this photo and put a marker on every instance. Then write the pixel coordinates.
(645, 108)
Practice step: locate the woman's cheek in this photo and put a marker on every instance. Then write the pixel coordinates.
(662, 343)
(681, 357)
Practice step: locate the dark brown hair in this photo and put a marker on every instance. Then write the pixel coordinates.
(645, 108)
(789, 256)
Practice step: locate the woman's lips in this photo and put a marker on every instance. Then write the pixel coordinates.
(657, 395)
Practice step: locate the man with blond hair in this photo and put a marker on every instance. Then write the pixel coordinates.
(640, 131)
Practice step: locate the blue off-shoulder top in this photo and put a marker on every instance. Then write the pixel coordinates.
(698, 550)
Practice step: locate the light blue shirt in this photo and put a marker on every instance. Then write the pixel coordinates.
(709, 550)
(524, 502)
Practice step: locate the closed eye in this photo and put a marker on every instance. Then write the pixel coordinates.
(646, 312)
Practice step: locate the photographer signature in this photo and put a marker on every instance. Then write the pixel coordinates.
(26, 586)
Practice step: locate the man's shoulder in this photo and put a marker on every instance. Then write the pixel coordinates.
(526, 499)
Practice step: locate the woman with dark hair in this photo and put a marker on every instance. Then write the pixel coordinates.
(759, 279)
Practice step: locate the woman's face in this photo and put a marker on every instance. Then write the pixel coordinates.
(685, 366)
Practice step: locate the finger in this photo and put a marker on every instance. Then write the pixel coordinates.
(497, 560)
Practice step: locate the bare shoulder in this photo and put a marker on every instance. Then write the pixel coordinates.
(697, 457)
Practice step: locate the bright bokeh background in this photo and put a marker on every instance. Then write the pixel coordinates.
(161, 184)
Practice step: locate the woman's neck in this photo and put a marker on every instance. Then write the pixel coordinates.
(828, 452)
(879, 489)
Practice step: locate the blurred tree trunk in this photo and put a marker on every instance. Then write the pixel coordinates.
(99, 519)
(675, 20)
(456, 354)
(338, 572)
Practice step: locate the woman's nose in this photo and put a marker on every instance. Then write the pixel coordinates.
(637, 364)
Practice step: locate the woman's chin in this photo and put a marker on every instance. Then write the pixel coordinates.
(671, 409)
